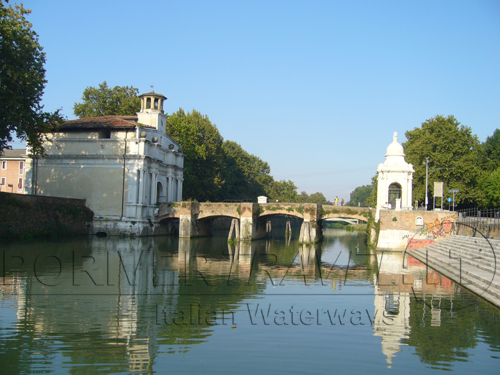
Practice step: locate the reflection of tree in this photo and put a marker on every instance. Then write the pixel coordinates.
(460, 324)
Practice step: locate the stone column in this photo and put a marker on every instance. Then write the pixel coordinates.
(153, 188)
(179, 191)
(169, 190)
(187, 219)
(141, 186)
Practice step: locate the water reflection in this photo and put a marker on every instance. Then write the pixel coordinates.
(121, 305)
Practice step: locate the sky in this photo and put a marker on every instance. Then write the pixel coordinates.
(315, 88)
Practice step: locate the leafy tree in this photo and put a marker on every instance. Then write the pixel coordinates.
(361, 195)
(452, 150)
(246, 176)
(22, 81)
(489, 153)
(491, 188)
(283, 191)
(103, 101)
(317, 198)
(202, 144)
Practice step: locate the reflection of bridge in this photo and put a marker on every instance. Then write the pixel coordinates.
(342, 220)
(196, 218)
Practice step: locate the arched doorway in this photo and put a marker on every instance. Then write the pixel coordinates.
(394, 193)
(160, 193)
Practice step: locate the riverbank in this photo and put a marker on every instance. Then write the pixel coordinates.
(27, 216)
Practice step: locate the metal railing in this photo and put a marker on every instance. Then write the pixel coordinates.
(485, 220)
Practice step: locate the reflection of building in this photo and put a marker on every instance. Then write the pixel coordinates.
(112, 293)
(122, 165)
(392, 305)
(395, 176)
(401, 277)
(13, 171)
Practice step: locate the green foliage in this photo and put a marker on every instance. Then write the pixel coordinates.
(372, 232)
(202, 144)
(218, 170)
(491, 188)
(283, 191)
(317, 198)
(22, 81)
(105, 101)
(246, 176)
(453, 153)
(489, 152)
(361, 195)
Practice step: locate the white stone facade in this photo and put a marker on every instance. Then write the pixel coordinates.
(124, 166)
(395, 178)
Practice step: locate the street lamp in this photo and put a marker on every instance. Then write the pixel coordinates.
(454, 191)
(426, 163)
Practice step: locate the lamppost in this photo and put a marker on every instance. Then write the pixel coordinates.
(454, 191)
(426, 163)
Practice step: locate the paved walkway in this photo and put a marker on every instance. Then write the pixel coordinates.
(470, 261)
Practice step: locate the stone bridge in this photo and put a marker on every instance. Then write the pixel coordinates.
(195, 219)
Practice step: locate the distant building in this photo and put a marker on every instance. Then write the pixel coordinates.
(395, 178)
(124, 166)
(13, 171)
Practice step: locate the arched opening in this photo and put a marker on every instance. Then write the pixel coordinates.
(157, 105)
(148, 103)
(160, 193)
(394, 194)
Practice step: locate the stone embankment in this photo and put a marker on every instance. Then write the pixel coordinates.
(26, 216)
(473, 262)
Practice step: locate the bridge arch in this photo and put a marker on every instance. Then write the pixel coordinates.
(195, 219)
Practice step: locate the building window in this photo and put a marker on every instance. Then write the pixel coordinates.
(20, 184)
(4, 164)
(104, 133)
(2, 181)
(21, 167)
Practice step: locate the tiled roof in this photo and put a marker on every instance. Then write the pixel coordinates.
(101, 122)
(19, 153)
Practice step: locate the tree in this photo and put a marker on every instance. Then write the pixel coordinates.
(22, 82)
(105, 101)
(246, 176)
(317, 198)
(491, 188)
(283, 191)
(202, 144)
(361, 196)
(452, 150)
(489, 153)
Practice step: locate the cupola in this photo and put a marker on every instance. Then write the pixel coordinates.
(151, 113)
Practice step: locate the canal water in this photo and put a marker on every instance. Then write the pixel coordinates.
(164, 305)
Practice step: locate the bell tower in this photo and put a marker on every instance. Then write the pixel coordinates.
(151, 113)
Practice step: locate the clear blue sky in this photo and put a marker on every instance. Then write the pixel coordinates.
(315, 88)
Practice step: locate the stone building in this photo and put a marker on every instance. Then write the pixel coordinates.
(395, 178)
(124, 166)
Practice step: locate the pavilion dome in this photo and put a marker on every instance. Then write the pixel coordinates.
(395, 148)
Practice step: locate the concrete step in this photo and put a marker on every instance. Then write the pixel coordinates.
(488, 289)
(453, 265)
(483, 260)
(481, 264)
(484, 283)
(479, 271)
(469, 248)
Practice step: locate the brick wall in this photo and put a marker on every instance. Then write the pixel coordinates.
(406, 220)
